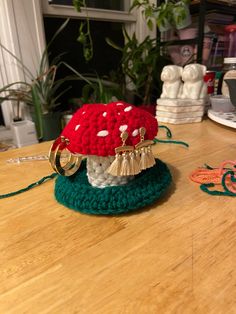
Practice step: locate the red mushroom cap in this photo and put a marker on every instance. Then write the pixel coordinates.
(95, 129)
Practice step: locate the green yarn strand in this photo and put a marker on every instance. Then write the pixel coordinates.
(232, 178)
(168, 131)
(206, 187)
(156, 140)
(168, 135)
(208, 167)
(29, 187)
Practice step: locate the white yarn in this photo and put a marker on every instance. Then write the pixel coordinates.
(97, 175)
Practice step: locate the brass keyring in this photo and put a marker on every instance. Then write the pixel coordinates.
(52, 149)
(55, 153)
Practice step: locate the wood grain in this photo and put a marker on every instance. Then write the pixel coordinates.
(177, 256)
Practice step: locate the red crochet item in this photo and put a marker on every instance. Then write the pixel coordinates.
(95, 129)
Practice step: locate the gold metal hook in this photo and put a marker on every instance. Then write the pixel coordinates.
(124, 148)
(143, 148)
(124, 162)
(55, 153)
(143, 143)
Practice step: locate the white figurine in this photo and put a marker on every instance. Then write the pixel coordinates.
(194, 86)
(172, 82)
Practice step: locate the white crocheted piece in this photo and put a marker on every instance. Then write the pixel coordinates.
(97, 175)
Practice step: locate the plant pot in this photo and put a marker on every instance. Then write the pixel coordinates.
(48, 126)
(52, 126)
(66, 118)
(23, 133)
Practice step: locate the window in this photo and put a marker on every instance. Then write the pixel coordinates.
(27, 16)
(103, 10)
(106, 20)
(105, 58)
(102, 4)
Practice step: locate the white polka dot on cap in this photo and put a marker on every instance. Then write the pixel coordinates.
(123, 128)
(128, 108)
(135, 132)
(102, 133)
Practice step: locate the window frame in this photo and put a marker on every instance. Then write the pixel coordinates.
(36, 9)
(133, 21)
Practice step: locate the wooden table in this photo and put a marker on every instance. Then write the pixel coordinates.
(178, 256)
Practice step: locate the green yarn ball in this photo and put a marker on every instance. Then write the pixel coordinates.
(147, 187)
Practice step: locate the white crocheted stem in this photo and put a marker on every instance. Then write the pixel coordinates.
(97, 175)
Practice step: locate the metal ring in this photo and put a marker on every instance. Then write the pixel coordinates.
(55, 158)
(52, 152)
(54, 149)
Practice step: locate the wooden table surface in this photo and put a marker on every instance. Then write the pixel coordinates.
(177, 256)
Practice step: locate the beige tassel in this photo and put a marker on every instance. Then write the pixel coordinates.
(125, 165)
(134, 164)
(147, 159)
(143, 163)
(150, 157)
(115, 167)
(137, 155)
(121, 165)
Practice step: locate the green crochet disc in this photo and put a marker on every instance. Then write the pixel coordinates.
(147, 187)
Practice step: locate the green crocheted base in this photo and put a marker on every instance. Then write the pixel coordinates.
(76, 192)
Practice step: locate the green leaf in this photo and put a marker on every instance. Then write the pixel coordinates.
(150, 24)
(78, 4)
(38, 112)
(112, 44)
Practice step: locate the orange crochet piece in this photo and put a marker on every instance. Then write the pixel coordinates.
(204, 175)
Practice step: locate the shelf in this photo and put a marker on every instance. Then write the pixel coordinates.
(179, 42)
(214, 4)
(201, 8)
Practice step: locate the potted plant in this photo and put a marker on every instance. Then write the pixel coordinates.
(84, 32)
(140, 65)
(181, 16)
(16, 96)
(97, 89)
(169, 14)
(94, 90)
(42, 91)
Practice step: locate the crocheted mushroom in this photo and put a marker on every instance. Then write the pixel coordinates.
(115, 138)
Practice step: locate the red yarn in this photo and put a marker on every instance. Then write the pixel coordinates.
(95, 129)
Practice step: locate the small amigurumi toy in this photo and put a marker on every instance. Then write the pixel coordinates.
(119, 172)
